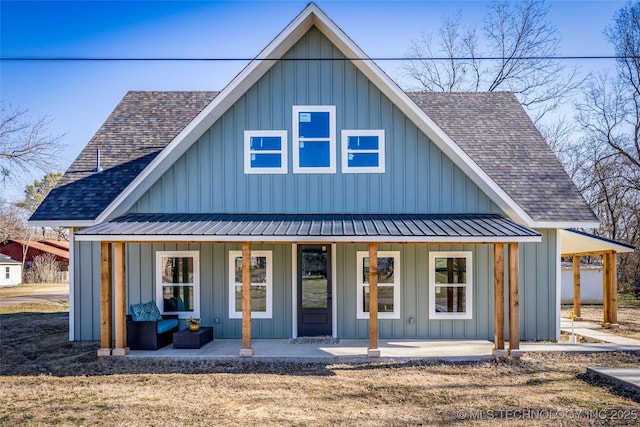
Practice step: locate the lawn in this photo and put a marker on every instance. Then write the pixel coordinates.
(45, 380)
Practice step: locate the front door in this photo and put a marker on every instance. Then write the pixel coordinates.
(314, 290)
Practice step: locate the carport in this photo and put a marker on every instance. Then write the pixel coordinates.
(576, 244)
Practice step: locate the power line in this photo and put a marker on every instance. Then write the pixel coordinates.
(378, 59)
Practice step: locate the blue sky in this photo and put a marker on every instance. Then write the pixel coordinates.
(78, 96)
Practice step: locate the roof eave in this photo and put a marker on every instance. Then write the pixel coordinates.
(301, 238)
(63, 223)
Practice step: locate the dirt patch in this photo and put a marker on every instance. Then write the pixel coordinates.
(46, 380)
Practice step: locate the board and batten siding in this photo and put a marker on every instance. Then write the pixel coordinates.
(210, 177)
(538, 306)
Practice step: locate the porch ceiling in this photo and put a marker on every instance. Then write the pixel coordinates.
(575, 242)
(382, 228)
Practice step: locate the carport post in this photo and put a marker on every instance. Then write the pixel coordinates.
(246, 350)
(577, 298)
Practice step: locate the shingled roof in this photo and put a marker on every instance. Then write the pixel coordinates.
(139, 128)
(492, 128)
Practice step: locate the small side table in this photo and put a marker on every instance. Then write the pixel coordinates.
(188, 339)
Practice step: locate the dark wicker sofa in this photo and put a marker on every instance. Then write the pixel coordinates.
(145, 335)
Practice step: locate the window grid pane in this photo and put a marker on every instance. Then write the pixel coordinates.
(385, 299)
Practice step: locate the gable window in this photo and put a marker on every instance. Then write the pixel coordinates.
(450, 285)
(261, 284)
(265, 151)
(388, 285)
(363, 151)
(314, 139)
(178, 283)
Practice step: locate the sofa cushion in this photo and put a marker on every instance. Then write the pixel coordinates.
(167, 325)
(145, 312)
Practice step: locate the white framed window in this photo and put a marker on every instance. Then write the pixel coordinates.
(178, 283)
(388, 285)
(261, 284)
(314, 138)
(450, 285)
(363, 151)
(265, 151)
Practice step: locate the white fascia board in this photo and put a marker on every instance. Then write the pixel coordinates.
(62, 223)
(565, 224)
(304, 239)
(210, 114)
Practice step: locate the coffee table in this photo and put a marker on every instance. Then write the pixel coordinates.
(189, 339)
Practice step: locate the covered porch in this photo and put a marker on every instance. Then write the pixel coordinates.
(498, 232)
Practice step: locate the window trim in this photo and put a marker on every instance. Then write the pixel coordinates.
(284, 166)
(233, 314)
(468, 285)
(196, 282)
(346, 133)
(360, 256)
(295, 139)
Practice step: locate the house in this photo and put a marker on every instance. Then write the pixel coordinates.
(26, 251)
(313, 197)
(10, 271)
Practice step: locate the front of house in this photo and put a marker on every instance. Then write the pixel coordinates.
(317, 165)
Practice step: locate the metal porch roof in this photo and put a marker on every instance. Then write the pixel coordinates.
(387, 228)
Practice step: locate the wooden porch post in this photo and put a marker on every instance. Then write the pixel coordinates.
(498, 300)
(576, 287)
(606, 289)
(121, 348)
(613, 290)
(374, 350)
(514, 301)
(246, 350)
(106, 317)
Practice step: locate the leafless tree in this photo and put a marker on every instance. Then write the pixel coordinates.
(609, 116)
(514, 51)
(12, 222)
(25, 144)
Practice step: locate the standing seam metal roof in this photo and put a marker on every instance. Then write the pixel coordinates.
(386, 227)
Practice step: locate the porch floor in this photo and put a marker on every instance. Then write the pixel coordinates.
(347, 350)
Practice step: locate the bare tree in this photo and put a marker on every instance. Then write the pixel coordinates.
(609, 116)
(514, 51)
(25, 144)
(12, 222)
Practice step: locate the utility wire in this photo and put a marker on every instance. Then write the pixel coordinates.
(214, 59)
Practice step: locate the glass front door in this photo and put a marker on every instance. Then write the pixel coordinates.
(314, 290)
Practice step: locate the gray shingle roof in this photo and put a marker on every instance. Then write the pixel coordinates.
(333, 227)
(141, 125)
(494, 130)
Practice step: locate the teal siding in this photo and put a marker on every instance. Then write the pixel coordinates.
(538, 309)
(86, 291)
(210, 177)
(214, 285)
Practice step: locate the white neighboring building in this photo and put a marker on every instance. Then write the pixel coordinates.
(10, 271)
(591, 285)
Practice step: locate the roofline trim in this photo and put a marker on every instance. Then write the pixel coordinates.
(63, 223)
(311, 15)
(565, 224)
(305, 239)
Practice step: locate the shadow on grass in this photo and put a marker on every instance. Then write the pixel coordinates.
(612, 387)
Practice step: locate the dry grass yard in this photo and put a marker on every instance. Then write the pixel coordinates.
(45, 380)
(628, 315)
